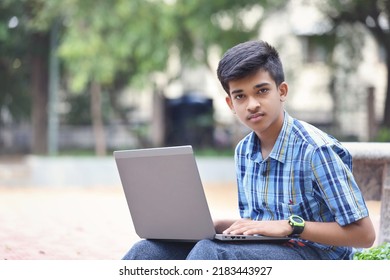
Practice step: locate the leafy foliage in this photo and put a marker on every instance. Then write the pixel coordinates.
(138, 36)
(114, 44)
(383, 135)
(381, 252)
(14, 65)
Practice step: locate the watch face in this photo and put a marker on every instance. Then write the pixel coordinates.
(297, 219)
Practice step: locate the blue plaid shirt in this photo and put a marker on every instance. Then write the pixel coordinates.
(308, 173)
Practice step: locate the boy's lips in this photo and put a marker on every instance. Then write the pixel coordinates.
(256, 116)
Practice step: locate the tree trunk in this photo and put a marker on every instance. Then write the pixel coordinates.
(386, 116)
(158, 119)
(39, 92)
(97, 119)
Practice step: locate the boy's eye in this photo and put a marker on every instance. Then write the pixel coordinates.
(263, 90)
(238, 96)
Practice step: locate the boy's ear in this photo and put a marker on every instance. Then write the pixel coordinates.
(230, 104)
(283, 90)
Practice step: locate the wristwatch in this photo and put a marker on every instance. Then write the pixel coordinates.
(297, 224)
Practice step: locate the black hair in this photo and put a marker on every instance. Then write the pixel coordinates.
(246, 59)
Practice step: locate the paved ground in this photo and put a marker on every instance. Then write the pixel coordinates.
(83, 223)
(89, 223)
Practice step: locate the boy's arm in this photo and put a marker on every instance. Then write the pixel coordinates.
(357, 234)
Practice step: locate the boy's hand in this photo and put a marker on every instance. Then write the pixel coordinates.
(279, 228)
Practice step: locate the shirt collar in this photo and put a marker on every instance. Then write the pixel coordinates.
(279, 151)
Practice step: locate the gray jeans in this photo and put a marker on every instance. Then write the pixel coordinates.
(217, 250)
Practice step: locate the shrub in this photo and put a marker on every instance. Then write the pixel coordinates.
(381, 252)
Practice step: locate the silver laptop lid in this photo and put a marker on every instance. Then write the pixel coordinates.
(165, 194)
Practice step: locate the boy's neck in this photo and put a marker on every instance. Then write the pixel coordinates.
(266, 146)
(268, 138)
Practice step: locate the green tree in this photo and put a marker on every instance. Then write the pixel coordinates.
(104, 52)
(13, 65)
(108, 45)
(23, 67)
(97, 47)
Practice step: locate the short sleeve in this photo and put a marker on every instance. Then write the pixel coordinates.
(337, 186)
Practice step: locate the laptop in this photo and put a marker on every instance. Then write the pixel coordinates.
(166, 198)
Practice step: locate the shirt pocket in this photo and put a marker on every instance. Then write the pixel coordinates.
(289, 209)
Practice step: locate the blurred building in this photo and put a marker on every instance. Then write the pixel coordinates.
(345, 98)
(343, 94)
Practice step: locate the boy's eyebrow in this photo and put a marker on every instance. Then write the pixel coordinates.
(236, 91)
(261, 85)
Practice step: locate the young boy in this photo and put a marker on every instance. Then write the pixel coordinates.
(293, 179)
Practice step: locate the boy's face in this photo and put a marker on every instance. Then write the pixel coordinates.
(258, 102)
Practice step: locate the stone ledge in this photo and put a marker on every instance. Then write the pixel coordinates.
(369, 150)
(371, 168)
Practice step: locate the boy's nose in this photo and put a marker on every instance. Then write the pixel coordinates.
(253, 104)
